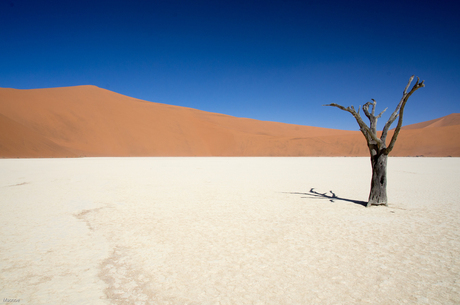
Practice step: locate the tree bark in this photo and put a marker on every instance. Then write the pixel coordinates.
(378, 193)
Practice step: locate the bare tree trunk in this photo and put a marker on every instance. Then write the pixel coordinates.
(378, 193)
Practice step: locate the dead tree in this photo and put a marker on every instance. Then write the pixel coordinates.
(377, 146)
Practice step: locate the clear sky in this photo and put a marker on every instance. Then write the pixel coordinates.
(268, 60)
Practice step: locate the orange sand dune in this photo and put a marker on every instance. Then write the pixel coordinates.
(90, 121)
(449, 120)
(18, 141)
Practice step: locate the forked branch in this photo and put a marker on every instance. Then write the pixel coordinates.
(368, 133)
(399, 112)
(371, 116)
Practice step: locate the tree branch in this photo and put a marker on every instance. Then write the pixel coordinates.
(399, 111)
(368, 134)
(372, 118)
(380, 114)
(395, 113)
(366, 110)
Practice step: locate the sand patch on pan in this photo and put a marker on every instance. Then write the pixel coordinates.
(228, 231)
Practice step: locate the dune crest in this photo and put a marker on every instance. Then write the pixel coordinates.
(449, 120)
(89, 121)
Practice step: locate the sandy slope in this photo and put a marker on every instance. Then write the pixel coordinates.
(228, 231)
(90, 121)
(19, 141)
(450, 120)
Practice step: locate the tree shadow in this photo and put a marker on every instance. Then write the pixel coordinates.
(332, 197)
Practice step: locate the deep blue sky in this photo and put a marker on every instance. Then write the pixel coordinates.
(267, 60)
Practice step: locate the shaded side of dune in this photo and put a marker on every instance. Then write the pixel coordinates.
(18, 141)
(90, 121)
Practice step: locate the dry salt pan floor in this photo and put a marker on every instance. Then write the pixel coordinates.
(228, 231)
